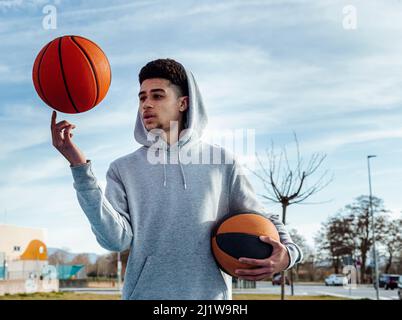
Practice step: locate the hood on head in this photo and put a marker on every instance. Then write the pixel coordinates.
(195, 124)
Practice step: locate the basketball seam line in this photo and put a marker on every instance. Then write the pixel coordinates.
(100, 49)
(235, 214)
(39, 83)
(92, 68)
(218, 263)
(64, 79)
(239, 232)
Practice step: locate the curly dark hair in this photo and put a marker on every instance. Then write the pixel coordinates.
(168, 69)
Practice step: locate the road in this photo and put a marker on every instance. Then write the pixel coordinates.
(91, 290)
(361, 292)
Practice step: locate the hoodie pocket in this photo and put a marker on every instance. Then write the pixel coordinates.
(141, 271)
(190, 276)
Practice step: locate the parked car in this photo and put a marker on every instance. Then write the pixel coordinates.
(400, 288)
(388, 281)
(336, 280)
(276, 279)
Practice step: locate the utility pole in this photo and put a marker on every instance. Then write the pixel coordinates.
(119, 271)
(373, 229)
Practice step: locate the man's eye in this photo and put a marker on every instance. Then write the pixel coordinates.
(157, 96)
(142, 99)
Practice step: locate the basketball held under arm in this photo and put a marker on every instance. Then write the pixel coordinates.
(242, 198)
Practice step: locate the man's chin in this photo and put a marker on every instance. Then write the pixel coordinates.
(151, 127)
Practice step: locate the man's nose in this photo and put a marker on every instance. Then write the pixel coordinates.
(147, 104)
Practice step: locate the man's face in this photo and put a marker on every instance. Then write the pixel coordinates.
(159, 104)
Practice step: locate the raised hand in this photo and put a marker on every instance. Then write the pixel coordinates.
(62, 141)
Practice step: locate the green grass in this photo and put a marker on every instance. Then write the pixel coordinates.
(278, 297)
(94, 296)
(61, 296)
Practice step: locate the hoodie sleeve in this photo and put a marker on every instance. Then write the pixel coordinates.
(243, 199)
(107, 213)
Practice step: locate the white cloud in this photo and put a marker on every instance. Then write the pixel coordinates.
(47, 168)
(329, 143)
(12, 75)
(25, 126)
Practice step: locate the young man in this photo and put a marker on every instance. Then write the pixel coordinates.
(164, 210)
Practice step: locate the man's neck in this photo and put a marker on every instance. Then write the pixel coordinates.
(172, 135)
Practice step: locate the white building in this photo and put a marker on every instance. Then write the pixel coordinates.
(23, 252)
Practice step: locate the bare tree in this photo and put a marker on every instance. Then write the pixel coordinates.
(305, 248)
(82, 258)
(349, 233)
(390, 237)
(362, 228)
(301, 242)
(59, 257)
(308, 264)
(102, 266)
(288, 185)
(306, 267)
(124, 258)
(335, 238)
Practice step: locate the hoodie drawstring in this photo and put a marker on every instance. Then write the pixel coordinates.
(164, 167)
(182, 172)
(181, 168)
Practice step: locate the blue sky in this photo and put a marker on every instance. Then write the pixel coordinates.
(272, 66)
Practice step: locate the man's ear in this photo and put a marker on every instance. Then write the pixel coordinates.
(184, 103)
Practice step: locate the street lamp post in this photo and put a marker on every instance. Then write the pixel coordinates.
(118, 271)
(372, 225)
(6, 270)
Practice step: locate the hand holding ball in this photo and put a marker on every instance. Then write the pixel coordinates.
(238, 236)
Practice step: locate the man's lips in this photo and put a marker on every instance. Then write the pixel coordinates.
(148, 117)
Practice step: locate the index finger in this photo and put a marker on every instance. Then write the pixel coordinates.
(255, 262)
(274, 243)
(53, 122)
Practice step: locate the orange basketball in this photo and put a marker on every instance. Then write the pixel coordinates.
(71, 74)
(237, 236)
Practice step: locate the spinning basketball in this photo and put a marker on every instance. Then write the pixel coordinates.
(237, 236)
(71, 74)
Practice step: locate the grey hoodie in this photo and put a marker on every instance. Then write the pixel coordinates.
(165, 212)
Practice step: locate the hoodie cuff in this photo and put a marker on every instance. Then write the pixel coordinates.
(83, 176)
(295, 255)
